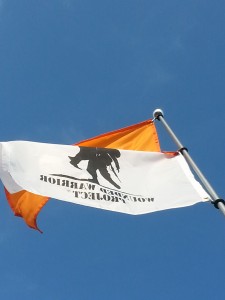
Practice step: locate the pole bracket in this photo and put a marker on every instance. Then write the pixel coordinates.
(217, 201)
(183, 149)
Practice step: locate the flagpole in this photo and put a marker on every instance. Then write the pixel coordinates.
(218, 202)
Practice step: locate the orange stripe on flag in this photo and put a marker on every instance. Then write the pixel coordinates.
(26, 205)
(139, 137)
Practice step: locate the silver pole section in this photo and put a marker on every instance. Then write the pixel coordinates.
(219, 203)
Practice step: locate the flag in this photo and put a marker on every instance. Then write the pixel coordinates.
(119, 180)
(122, 171)
(141, 136)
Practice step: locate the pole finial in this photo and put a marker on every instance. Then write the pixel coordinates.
(157, 113)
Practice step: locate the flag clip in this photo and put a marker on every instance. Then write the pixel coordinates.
(215, 203)
(182, 149)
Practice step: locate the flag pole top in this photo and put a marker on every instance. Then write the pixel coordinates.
(157, 113)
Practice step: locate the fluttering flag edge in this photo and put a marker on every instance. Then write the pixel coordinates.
(26, 205)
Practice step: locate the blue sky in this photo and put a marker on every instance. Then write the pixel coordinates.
(72, 69)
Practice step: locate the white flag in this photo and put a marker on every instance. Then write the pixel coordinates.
(133, 182)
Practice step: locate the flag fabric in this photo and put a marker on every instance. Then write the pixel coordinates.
(122, 171)
(119, 180)
(142, 136)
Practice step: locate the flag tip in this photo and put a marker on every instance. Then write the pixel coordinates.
(157, 112)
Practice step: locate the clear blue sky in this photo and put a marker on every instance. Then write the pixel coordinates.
(73, 69)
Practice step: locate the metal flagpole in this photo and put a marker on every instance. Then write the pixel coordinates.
(218, 202)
